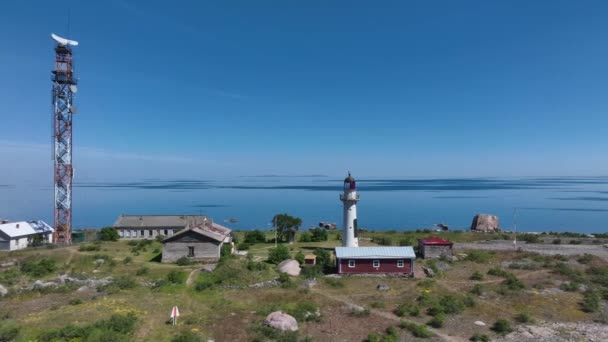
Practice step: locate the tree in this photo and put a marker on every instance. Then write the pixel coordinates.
(276, 255)
(255, 236)
(108, 234)
(318, 235)
(286, 226)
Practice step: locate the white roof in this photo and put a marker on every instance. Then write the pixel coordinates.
(15, 229)
(375, 252)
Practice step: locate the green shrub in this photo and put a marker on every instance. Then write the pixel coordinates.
(10, 276)
(324, 260)
(184, 261)
(557, 241)
(404, 309)
(318, 235)
(186, 336)
(278, 254)
(310, 272)
(476, 276)
(305, 312)
(479, 256)
(585, 259)
(530, 238)
(437, 321)
(477, 337)
(299, 257)
(524, 318)
(591, 301)
(498, 272)
(477, 289)
(8, 330)
(306, 237)
(372, 337)
(570, 286)
(513, 283)
(108, 234)
(502, 327)
(75, 301)
(142, 271)
(378, 305)
(38, 269)
(255, 236)
(176, 277)
(116, 328)
(127, 260)
(416, 329)
(426, 283)
(243, 246)
(360, 312)
(451, 304)
(89, 248)
(333, 282)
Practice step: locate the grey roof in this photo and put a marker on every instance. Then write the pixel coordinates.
(158, 221)
(375, 252)
(217, 233)
(22, 228)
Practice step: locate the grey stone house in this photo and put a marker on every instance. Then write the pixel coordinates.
(136, 227)
(201, 243)
(434, 247)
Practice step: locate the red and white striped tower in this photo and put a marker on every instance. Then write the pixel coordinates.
(64, 87)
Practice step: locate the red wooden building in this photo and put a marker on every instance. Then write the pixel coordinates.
(395, 260)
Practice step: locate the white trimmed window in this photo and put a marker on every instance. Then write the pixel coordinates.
(191, 251)
(400, 263)
(376, 263)
(351, 263)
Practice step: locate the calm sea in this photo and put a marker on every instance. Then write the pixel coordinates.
(557, 203)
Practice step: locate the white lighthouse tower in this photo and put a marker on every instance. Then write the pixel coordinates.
(350, 198)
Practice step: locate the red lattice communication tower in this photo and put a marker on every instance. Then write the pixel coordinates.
(64, 87)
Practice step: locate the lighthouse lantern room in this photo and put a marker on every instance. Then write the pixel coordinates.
(350, 198)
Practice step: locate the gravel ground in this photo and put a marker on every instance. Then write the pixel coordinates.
(550, 249)
(558, 332)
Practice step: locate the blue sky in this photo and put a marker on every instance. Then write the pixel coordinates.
(392, 88)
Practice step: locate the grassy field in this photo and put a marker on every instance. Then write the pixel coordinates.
(219, 306)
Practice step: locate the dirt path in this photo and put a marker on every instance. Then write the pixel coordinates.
(386, 315)
(72, 252)
(489, 281)
(191, 277)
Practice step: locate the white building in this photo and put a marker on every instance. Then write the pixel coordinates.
(18, 235)
(350, 198)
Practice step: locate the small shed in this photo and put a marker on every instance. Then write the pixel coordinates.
(435, 247)
(310, 259)
(203, 244)
(392, 260)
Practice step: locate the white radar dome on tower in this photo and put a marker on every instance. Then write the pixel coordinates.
(63, 41)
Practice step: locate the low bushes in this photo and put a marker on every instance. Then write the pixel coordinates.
(502, 327)
(476, 276)
(477, 337)
(278, 254)
(524, 318)
(591, 301)
(479, 256)
(116, 328)
(8, 330)
(176, 277)
(89, 248)
(416, 329)
(38, 268)
(184, 261)
(254, 236)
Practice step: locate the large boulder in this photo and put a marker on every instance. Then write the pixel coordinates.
(282, 321)
(289, 266)
(485, 223)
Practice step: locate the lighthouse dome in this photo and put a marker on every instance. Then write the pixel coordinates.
(349, 179)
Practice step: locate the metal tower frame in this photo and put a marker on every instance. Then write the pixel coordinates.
(64, 87)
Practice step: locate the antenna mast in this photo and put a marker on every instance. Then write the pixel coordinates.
(64, 87)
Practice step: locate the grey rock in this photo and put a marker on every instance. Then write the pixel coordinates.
(3, 291)
(383, 287)
(99, 262)
(429, 272)
(281, 321)
(309, 283)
